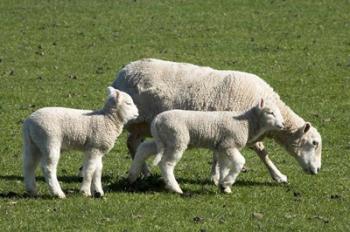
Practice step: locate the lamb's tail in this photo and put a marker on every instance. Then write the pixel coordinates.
(159, 144)
(159, 155)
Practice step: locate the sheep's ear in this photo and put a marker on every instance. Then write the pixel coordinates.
(111, 91)
(307, 127)
(261, 103)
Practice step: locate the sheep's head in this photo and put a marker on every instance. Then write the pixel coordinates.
(121, 104)
(306, 146)
(270, 117)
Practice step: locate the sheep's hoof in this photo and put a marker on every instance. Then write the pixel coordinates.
(31, 194)
(98, 194)
(175, 190)
(281, 179)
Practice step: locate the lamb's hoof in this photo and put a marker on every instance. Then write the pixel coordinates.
(215, 180)
(98, 194)
(85, 193)
(60, 195)
(226, 189)
(175, 190)
(281, 179)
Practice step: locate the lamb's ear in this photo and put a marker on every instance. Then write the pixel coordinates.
(111, 92)
(307, 127)
(261, 103)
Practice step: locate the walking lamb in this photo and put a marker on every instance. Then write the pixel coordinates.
(50, 130)
(224, 132)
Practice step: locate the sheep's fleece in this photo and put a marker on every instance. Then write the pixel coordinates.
(158, 85)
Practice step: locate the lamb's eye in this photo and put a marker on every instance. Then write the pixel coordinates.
(272, 113)
(128, 103)
(315, 143)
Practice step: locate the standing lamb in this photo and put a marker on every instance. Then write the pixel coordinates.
(223, 132)
(158, 85)
(50, 130)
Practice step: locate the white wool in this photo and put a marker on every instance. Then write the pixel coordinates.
(52, 129)
(157, 86)
(220, 131)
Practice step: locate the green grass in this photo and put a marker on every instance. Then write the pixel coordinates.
(65, 53)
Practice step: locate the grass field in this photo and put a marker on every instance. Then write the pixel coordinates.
(65, 53)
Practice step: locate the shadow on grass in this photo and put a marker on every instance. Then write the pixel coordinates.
(64, 179)
(154, 183)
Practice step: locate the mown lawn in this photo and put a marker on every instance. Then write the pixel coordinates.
(65, 53)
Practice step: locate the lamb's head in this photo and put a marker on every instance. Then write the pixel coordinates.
(306, 146)
(269, 116)
(121, 104)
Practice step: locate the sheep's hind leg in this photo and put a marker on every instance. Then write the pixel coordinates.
(96, 187)
(167, 166)
(273, 170)
(236, 162)
(92, 158)
(49, 162)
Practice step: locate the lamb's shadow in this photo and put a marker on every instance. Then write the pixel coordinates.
(65, 179)
(154, 183)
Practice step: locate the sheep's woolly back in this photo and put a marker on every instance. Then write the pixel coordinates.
(158, 85)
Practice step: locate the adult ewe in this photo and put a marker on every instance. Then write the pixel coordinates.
(49, 130)
(158, 85)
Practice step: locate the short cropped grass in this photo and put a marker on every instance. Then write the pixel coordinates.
(65, 53)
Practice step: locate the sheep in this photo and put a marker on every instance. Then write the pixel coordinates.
(158, 85)
(49, 130)
(223, 132)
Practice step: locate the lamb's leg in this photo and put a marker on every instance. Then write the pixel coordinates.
(224, 164)
(96, 188)
(92, 158)
(167, 166)
(144, 151)
(136, 136)
(31, 157)
(215, 172)
(236, 162)
(49, 162)
(274, 172)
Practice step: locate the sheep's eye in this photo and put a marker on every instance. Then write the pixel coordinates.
(272, 113)
(128, 103)
(315, 143)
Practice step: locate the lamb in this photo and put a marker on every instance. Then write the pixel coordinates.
(49, 130)
(158, 85)
(224, 132)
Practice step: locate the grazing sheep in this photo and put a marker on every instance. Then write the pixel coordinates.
(157, 86)
(50, 130)
(224, 132)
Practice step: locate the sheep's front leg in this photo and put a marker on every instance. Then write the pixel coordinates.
(91, 162)
(273, 170)
(133, 141)
(232, 162)
(96, 187)
(144, 151)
